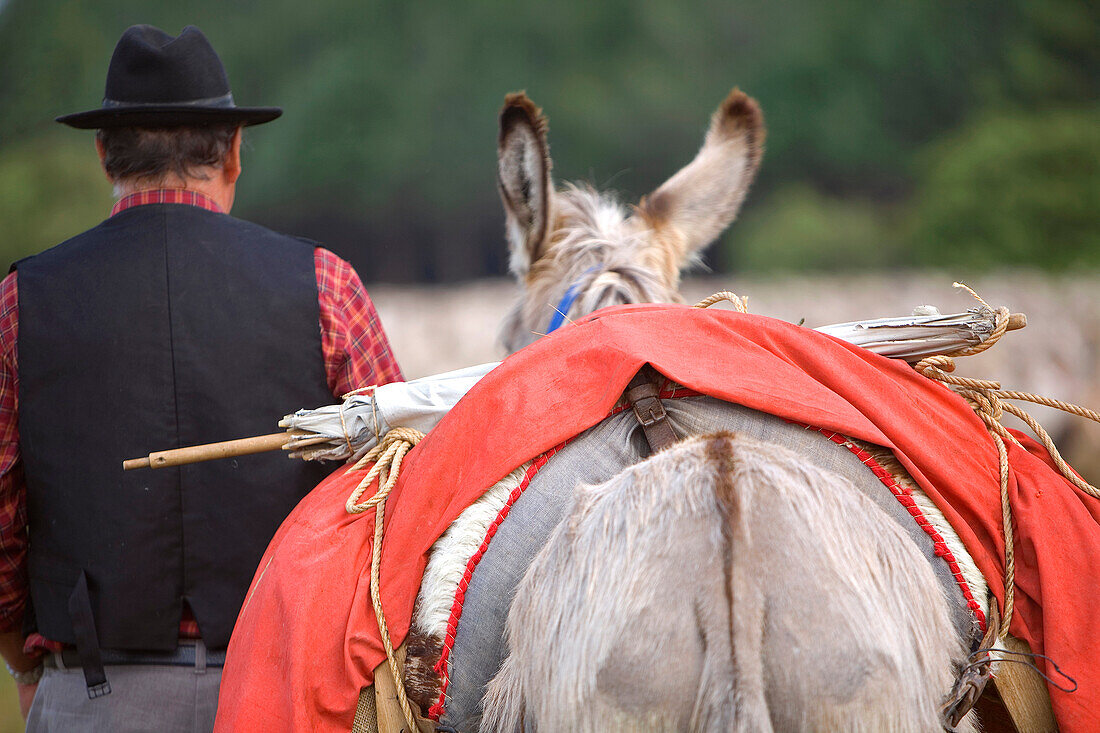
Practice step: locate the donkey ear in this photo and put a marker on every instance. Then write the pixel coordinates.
(699, 202)
(523, 177)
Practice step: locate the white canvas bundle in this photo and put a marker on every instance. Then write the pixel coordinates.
(354, 426)
(922, 334)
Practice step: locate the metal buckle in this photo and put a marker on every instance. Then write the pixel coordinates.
(965, 693)
(649, 411)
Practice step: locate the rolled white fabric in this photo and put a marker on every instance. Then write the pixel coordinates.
(354, 426)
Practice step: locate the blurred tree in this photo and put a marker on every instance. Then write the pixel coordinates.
(51, 186)
(1014, 189)
(387, 147)
(802, 229)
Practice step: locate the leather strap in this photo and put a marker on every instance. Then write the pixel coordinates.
(643, 395)
(87, 641)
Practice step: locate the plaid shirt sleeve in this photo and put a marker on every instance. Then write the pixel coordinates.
(13, 504)
(356, 350)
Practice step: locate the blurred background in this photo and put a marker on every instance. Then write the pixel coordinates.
(909, 145)
(900, 134)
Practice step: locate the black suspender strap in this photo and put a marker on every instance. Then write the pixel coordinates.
(87, 641)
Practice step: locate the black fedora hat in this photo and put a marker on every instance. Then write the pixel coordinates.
(155, 80)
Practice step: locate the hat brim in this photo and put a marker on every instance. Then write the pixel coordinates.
(168, 116)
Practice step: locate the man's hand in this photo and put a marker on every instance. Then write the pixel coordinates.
(11, 649)
(26, 697)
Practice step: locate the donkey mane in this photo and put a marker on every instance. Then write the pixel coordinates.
(595, 247)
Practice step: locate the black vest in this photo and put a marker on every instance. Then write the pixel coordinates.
(164, 326)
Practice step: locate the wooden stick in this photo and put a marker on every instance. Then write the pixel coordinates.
(1023, 690)
(390, 718)
(212, 451)
(1016, 321)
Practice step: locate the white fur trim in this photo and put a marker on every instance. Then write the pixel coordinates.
(452, 552)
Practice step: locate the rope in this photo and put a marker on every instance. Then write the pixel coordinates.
(987, 399)
(387, 457)
(740, 304)
(1044, 437)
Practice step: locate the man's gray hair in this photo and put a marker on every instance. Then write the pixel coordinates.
(152, 154)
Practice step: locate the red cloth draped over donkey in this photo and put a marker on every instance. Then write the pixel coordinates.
(307, 641)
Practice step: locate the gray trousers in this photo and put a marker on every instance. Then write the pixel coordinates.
(143, 698)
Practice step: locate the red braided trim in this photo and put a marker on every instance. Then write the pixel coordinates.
(905, 498)
(460, 594)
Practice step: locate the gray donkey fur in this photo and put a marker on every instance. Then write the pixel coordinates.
(725, 584)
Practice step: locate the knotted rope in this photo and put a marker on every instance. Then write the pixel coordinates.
(387, 457)
(987, 399)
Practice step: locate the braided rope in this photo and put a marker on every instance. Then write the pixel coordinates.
(986, 398)
(1056, 404)
(387, 457)
(740, 304)
(1044, 437)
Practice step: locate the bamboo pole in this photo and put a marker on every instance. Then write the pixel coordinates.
(212, 451)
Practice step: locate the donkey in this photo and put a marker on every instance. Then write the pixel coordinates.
(806, 607)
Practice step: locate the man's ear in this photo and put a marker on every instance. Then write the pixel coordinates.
(231, 171)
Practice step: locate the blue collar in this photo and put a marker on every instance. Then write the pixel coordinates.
(567, 301)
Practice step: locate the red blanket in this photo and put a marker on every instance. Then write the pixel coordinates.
(306, 640)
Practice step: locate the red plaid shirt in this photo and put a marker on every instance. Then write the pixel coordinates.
(356, 353)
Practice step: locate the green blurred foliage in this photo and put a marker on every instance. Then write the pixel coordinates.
(51, 186)
(1013, 189)
(803, 229)
(387, 148)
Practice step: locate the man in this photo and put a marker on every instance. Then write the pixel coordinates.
(170, 323)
